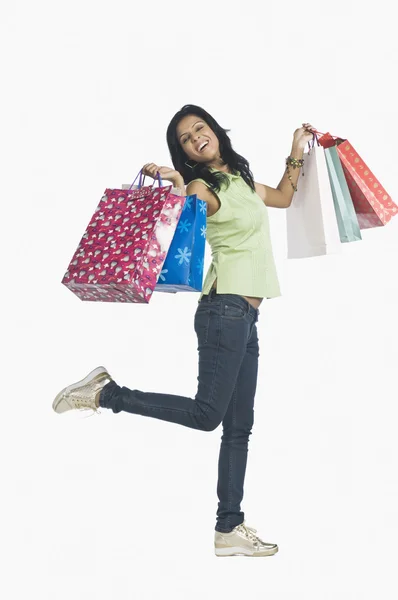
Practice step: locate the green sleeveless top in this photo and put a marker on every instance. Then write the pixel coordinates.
(239, 237)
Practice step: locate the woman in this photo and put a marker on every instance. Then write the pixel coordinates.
(242, 273)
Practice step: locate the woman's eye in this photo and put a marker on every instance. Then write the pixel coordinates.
(184, 141)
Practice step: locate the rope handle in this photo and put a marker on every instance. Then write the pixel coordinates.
(142, 180)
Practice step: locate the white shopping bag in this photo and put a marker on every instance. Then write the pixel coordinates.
(312, 228)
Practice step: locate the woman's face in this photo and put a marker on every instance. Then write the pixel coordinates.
(198, 141)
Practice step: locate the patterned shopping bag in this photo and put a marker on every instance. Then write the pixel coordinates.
(373, 205)
(122, 251)
(183, 268)
(347, 219)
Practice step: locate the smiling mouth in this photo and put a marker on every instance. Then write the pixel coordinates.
(203, 146)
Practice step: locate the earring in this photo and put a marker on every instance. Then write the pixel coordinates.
(191, 166)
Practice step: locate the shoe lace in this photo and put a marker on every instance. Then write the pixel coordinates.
(250, 533)
(80, 402)
(84, 409)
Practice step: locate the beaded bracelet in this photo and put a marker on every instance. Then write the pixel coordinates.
(296, 164)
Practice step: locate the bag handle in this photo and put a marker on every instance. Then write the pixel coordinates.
(328, 137)
(335, 137)
(311, 144)
(142, 180)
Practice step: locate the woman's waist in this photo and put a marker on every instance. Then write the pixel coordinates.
(254, 301)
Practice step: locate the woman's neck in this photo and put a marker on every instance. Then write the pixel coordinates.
(219, 165)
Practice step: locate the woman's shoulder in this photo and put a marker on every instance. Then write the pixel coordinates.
(203, 190)
(198, 184)
(199, 187)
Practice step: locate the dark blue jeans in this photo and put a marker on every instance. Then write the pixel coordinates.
(228, 363)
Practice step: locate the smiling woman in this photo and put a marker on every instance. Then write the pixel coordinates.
(189, 130)
(198, 140)
(241, 275)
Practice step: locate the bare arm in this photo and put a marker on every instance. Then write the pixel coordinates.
(205, 194)
(282, 195)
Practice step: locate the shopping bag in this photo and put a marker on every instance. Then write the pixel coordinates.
(123, 249)
(183, 268)
(373, 205)
(347, 219)
(312, 228)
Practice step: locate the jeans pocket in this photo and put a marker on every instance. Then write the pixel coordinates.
(233, 311)
(202, 322)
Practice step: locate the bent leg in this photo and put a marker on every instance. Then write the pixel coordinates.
(222, 348)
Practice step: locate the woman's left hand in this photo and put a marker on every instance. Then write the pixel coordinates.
(302, 136)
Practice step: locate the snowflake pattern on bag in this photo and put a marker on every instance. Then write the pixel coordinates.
(122, 251)
(184, 264)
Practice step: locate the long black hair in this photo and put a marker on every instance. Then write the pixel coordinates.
(216, 179)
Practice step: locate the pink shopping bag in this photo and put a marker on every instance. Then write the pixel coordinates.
(121, 254)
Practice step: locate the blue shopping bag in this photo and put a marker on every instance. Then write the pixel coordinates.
(347, 219)
(183, 268)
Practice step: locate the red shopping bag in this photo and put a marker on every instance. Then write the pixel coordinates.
(373, 205)
(121, 254)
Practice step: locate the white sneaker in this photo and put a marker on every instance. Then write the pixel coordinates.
(242, 541)
(81, 395)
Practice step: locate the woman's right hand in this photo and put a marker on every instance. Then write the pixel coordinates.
(152, 170)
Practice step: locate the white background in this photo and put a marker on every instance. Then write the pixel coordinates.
(121, 506)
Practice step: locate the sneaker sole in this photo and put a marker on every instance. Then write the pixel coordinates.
(238, 551)
(97, 374)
